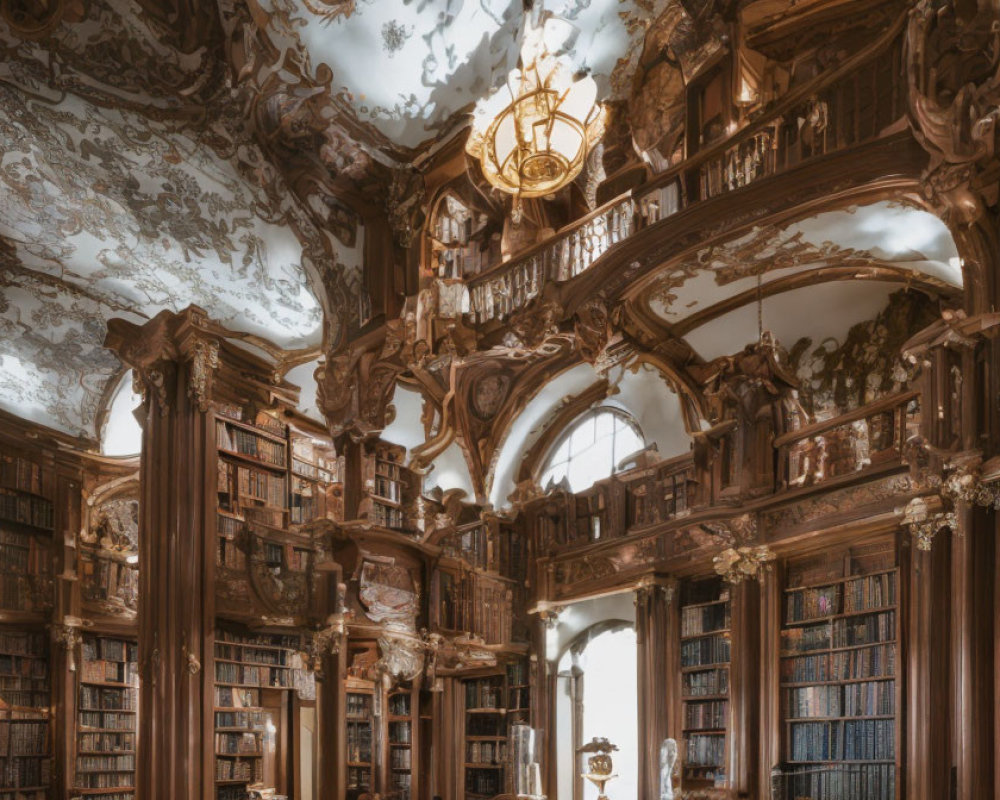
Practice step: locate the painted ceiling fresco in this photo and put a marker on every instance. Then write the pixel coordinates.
(122, 196)
(412, 68)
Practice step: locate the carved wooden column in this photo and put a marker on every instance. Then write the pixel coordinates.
(770, 680)
(927, 754)
(174, 357)
(331, 712)
(744, 687)
(656, 625)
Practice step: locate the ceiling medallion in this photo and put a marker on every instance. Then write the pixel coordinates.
(532, 137)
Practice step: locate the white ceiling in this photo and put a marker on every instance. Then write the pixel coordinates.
(409, 67)
(881, 233)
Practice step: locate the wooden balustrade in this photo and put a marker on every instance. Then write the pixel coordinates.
(843, 107)
(648, 496)
(870, 435)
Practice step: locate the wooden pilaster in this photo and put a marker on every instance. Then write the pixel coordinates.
(744, 687)
(175, 359)
(655, 626)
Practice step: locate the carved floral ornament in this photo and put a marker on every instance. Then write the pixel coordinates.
(742, 558)
(924, 523)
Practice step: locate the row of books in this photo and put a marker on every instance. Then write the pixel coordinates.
(105, 742)
(387, 489)
(359, 778)
(238, 743)
(710, 715)
(399, 758)
(867, 629)
(108, 720)
(812, 603)
(485, 752)
(27, 699)
(24, 737)
(248, 443)
(400, 783)
(705, 751)
(26, 509)
(478, 604)
(249, 653)
(359, 705)
(244, 675)
(865, 662)
(399, 733)
(315, 472)
(99, 648)
(20, 473)
(250, 720)
(230, 556)
(704, 619)
(484, 693)
(399, 705)
(709, 650)
(16, 772)
(16, 594)
(105, 579)
(255, 484)
(14, 558)
(259, 640)
(33, 667)
(842, 782)
(228, 526)
(227, 793)
(23, 644)
(110, 672)
(250, 770)
(359, 742)
(850, 740)
(111, 794)
(122, 763)
(485, 725)
(387, 517)
(706, 682)
(486, 782)
(235, 697)
(108, 699)
(872, 591)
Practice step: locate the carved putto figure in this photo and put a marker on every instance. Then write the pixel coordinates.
(668, 758)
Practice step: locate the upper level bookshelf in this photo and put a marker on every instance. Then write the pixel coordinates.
(107, 709)
(839, 687)
(705, 655)
(270, 477)
(401, 756)
(388, 486)
(25, 495)
(25, 721)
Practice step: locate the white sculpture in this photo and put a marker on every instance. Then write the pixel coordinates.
(668, 757)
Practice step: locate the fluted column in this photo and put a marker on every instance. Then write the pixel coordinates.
(174, 357)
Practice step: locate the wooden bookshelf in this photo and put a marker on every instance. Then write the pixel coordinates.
(387, 486)
(705, 653)
(24, 494)
(486, 733)
(25, 721)
(246, 665)
(839, 687)
(360, 742)
(401, 757)
(108, 581)
(107, 708)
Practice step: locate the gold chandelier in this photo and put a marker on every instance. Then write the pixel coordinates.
(533, 136)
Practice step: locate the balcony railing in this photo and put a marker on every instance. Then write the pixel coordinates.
(841, 108)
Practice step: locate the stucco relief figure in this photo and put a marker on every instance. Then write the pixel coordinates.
(668, 758)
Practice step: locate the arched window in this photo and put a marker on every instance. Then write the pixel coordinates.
(122, 435)
(592, 448)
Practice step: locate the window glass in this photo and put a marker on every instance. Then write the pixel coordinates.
(592, 449)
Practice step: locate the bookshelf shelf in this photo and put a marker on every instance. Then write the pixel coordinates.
(839, 693)
(360, 742)
(400, 726)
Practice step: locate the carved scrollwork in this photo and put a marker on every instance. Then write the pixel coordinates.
(966, 485)
(68, 635)
(954, 91)
(204, 361)
(924, 523)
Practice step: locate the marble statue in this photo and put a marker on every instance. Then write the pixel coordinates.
(668, 757)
